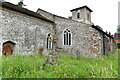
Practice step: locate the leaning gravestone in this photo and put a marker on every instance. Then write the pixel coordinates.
(51, 60)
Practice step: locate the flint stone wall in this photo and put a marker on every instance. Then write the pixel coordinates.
(86, 41)
(28, 33)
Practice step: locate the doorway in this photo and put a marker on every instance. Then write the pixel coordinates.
(8, 48)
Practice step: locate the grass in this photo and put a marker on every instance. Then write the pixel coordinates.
(67, 67)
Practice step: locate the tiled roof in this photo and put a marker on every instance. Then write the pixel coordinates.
(102, 31)
(23, 10)
(81, 8)
(117, 41)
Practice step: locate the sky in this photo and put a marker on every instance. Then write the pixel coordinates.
(105, 12)
(119, 14)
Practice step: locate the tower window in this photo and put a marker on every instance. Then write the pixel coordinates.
(67, 37)
(49, 41)
(78, 15)
(88, 16)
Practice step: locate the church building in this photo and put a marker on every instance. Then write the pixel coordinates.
(25, 32)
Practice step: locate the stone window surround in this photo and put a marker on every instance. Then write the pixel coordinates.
(78, 15)
(49, 42)
(69, 40)
(88, 16)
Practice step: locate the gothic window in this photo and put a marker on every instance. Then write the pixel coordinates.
(49, 41)
(78, 15)
(67, 37)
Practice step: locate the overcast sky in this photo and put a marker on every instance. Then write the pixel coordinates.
(105, 12)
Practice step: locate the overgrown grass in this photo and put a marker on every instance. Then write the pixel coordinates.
(67, 67)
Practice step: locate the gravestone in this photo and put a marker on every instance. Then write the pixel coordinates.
(51, 60)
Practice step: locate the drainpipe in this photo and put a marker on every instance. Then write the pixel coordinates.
(103, 44)
(0, 48)
(1, 43)
(35, 42)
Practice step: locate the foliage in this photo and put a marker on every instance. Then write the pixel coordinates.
(118, 29)
(118, 45)
(70, 17)
(50, 53)
(67, 67)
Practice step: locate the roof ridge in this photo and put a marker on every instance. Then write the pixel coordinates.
(81, 8)
(23, 10)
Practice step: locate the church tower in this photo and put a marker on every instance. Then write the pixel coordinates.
(82, 14)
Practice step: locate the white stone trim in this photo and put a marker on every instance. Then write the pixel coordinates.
(68, 37)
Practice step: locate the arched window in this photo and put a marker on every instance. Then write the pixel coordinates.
(78, 15)
(49, 41)
(67, 37)
(88, 16)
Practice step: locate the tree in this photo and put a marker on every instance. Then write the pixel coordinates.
(70, 17)
(118, 29)
(118, 45)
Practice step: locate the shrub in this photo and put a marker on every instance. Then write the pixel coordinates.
(118, 45)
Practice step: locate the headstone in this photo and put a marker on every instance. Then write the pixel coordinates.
(51, 60)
